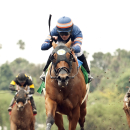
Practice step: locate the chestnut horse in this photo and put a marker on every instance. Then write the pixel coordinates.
(126, 108)
(22, 115)
(65, 89)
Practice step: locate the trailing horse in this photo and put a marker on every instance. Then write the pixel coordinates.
(126, 108)
(65, 89)
(21, 116)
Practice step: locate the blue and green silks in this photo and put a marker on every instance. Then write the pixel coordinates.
(41, 87)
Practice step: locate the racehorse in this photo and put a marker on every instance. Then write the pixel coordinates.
(21, 116)
(126, 108)
(65, 89)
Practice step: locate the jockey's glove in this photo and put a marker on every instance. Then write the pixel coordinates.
(53, 39)
(72, 49)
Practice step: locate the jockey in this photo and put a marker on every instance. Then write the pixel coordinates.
(21, 81)
(64, 30)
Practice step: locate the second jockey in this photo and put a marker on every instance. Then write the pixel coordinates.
(22, 80)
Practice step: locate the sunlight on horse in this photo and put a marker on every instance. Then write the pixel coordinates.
(65, 89)
(126, 108)
(22, 115)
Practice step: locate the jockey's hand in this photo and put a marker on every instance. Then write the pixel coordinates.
(72, 50)
(27, 93)
(54, 38)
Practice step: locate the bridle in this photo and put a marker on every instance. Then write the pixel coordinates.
(25, 100)
(62, 57)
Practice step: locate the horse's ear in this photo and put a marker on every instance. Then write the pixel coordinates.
(68, 44)
(54, 44)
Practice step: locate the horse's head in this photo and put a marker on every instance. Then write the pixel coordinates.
(62, 59)
(21, 99)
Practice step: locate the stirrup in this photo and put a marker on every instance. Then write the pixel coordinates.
(10, 109)
(90, 78)
(42, 77)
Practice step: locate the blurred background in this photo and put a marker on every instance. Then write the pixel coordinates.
(106, 37)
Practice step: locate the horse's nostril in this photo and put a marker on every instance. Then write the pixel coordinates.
(67, 77)
(63, 79)
(59, 78)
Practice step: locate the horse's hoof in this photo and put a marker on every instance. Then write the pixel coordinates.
(48, 126)
(81, 128)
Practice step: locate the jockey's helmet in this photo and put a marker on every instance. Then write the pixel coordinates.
(22, 77)
(64, 24)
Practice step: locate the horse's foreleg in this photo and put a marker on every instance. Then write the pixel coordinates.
(75, 117)
(127, 115)
(127, 112)
(59, 121)
(50, 112)
(82, 115)
(13, 126)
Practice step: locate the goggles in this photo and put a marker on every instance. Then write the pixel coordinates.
(21, 81)
(64, 33)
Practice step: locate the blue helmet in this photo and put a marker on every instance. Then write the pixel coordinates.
(64, 24)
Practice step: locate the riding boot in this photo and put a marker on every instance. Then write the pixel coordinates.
(85, 65)
(11, 104)
(33, 105)
(42, 77)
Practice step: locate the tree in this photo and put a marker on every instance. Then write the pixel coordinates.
(101, 60)
(6, 77)
(21, 44)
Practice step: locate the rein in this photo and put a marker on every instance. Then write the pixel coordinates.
(24, 103)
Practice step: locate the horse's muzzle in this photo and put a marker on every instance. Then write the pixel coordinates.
(63, 78)
(63, 81)
(19, 107)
